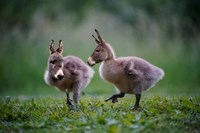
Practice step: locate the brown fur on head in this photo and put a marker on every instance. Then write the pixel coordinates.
(102, 51)
(55, 61)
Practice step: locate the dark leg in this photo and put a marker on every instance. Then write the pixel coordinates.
(69, 101)
(76, 88)
(137, 97)
(114, 97)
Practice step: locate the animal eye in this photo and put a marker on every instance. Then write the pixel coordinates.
(52, 62)
(97, 50)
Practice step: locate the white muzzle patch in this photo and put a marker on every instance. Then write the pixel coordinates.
(91, 61)
(59, 73)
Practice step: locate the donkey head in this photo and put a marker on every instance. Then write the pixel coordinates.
(55, 61)
(101, 52)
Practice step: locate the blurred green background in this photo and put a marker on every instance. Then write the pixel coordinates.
(164, 32)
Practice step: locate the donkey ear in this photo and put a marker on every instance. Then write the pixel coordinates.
(97, 41)
(51, 47)
(99, 37)
(60, 47)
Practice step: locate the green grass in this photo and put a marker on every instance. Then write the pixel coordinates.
(50, 114)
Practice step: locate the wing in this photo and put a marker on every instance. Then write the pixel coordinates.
(133, 73)
(129, 69)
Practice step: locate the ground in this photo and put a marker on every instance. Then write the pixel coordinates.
(50, 114)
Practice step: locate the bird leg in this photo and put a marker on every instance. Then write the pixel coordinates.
(69, 101)
(76, 89)
(137, 101)
(114, 97)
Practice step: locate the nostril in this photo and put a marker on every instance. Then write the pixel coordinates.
(60, 77)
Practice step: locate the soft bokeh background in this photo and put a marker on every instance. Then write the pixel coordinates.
(164, 32)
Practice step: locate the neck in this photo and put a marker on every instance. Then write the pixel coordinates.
(111, 53)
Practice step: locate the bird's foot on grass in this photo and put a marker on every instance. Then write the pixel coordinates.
(69, 102)
(114, 99)
(136, 108)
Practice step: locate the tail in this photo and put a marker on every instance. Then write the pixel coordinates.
(160, 74)
(90, 72)
(88, 77)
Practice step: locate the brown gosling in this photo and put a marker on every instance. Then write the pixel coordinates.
(68, 74)
(130, 75)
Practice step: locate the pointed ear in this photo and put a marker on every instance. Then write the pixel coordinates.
(97, 41)
(99, 37)
(51, 47)
(60, 47)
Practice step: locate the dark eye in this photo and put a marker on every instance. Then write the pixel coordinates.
(52, 62)
(59, 66)
(97, 50)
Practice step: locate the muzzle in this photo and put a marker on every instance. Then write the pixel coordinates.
(59, 75)
(91, 62)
